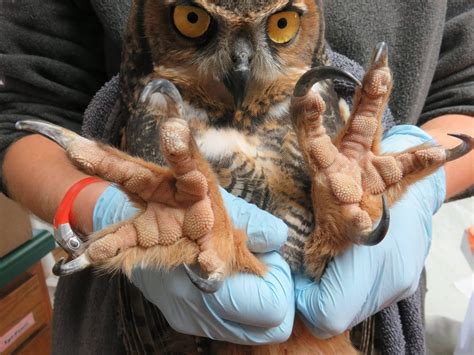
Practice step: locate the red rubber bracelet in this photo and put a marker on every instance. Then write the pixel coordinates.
(63, 212)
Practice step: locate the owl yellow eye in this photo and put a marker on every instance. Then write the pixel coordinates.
(283, 26)
(191, 21)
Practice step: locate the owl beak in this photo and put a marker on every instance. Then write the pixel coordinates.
(237, 79)
(236, 82)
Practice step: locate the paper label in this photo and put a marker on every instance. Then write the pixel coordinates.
(16, 331)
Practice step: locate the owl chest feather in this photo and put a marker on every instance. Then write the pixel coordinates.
(262, 165)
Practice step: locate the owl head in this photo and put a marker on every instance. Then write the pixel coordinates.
(232, 58)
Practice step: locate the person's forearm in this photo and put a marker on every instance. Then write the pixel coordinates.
(459, 173)
(37, 174)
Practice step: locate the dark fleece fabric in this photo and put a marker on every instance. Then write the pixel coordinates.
(55, 54)
(431, 47)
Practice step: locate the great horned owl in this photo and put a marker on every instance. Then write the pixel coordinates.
(223, 92)
(236, 64)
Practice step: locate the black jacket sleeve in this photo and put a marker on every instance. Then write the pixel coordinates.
(431, 49)
(452, 88)
(51, 63)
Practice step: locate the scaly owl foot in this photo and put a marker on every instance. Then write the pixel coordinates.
(352, 182)
(182, 218)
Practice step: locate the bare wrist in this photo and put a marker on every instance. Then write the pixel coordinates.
(83, 207)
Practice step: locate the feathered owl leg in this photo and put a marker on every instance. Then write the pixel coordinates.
(352, 182)
(181, 216)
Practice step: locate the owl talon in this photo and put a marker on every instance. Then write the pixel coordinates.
(459, 151)
(165, 88)
(313, 76)
(380, 55)
(210, 285)
(61, 136)
(63, 269)
(379, 233)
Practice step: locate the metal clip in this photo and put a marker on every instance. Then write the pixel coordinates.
(74, 246)
(68, 240)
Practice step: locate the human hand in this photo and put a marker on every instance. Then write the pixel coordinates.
(247, 309)
(364, 280)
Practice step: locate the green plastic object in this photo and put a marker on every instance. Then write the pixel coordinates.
(23, 257)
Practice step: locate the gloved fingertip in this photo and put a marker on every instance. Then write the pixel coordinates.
(257, 301)
(112, 206)
(263, 311)
(136, 275)
(268, 234)
(439, 188)
(320, 315)
(278, 232)
(128, 211)
(226, 196)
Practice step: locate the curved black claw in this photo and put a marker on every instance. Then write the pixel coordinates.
(164, 87)
(465, 147)
(379, 233)
(312, 76)
(380, 55)
(60, 135)
(62, 269)
(209, 285)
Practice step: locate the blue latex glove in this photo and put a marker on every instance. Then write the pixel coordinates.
(247, 309)
(364, 280)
